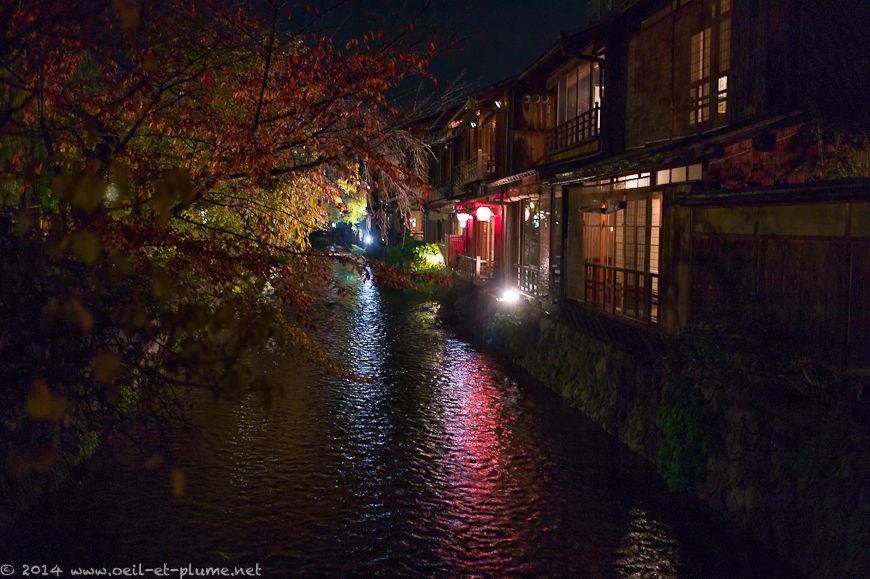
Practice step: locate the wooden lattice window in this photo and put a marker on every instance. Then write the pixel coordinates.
(710, 61)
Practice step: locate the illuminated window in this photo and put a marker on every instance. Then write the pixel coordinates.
(710, 60)
(578, 101)
(724, 61)
(621, 246)
(680, 174)
(700, 73)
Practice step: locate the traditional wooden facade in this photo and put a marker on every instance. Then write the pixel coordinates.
(678, 168)
(470, 150)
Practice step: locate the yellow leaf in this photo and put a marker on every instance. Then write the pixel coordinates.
(73, 311)
(85, 191)
(85, 246)
(39, 400)
(154, 461)
(128, 13)
(161, 285)
(151, 64)
(119, 262)
(178, 480)
(22, 224)
(106, 366)
(58, 408)
(174, 187)
(138, 315)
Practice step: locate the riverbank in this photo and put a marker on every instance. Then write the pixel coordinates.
(729, 415)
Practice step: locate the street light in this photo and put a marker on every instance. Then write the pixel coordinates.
(509, 296)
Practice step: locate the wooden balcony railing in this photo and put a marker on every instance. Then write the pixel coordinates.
(529, 280)
(477, 169)
(474, 267)
(616, 290)
(574, 131)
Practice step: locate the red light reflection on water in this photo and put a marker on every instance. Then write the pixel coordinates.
(481, 492)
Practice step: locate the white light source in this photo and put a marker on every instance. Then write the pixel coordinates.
(510, 295)
(484, 213)
(462, 217)
(367, 239)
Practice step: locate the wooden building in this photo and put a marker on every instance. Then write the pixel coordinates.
(686, 160)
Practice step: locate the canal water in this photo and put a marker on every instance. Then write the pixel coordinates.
(443, 464)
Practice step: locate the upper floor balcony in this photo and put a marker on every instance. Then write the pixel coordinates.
(477, 169)
(573, 132)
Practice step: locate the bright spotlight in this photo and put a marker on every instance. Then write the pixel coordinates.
(510, 296)
(367, 239)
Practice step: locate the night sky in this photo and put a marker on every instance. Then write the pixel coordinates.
(478, 42)
(504, 37)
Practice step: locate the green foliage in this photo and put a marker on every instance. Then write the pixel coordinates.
(833, 152)
(415, 256)
(427, 258)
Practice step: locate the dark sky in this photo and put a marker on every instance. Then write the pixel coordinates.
(481, 42)
(501, 38)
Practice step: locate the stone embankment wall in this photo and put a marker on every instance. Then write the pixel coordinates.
(733, 416)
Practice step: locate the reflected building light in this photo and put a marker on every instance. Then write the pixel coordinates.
(648, 548)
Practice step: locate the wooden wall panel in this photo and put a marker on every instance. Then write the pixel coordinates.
(803, 287)
(648, 102)
(723, 276)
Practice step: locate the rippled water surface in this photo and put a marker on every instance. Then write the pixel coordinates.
(442, 464)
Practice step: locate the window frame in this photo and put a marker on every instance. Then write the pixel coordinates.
(621, 254)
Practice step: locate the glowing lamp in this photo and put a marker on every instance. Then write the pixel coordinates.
(528, 214)
(484, 213)
(463, 217)
(510, 296)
